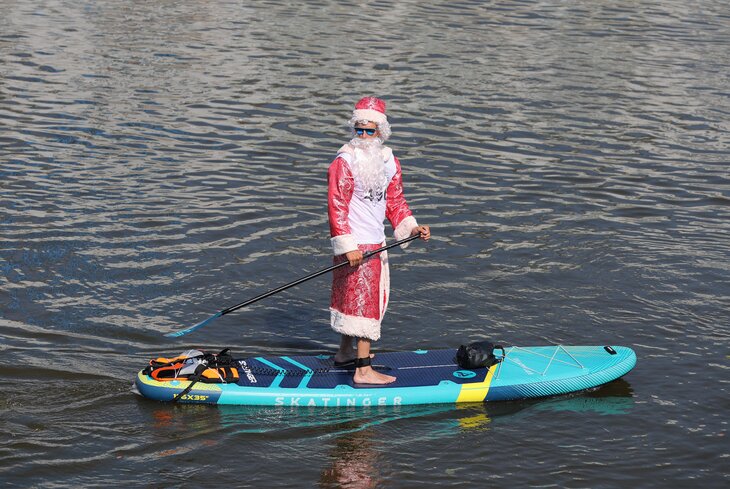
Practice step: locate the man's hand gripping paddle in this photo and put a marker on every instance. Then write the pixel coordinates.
(218, 314)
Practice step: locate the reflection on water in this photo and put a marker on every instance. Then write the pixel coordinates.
(615, 398)
(358, 439)
(353, 462)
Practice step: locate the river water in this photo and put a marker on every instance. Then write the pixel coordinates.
(163, 160)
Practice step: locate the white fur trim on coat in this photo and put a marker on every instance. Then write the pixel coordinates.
(358, 327)
(404, 230)
(384, 283)
(369, 115)
(347, 152)
(343, 243)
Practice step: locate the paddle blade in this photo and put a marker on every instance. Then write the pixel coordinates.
(176, 334)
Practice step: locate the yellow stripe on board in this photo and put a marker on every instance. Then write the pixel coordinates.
(477, 391)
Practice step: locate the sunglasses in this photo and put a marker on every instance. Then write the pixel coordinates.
(360, 130)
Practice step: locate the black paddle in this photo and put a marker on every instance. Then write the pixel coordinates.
(218, 314)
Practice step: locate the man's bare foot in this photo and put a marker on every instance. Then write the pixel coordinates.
(366, 375)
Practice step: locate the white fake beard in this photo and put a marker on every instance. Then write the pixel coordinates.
(368, 166)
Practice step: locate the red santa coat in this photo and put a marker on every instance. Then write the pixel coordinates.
(356, 218)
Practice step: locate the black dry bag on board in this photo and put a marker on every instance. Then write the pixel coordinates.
(477, 355)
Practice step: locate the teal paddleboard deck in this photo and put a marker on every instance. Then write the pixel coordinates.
(422, 377)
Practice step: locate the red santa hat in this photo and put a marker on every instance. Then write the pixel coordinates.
(370, 109)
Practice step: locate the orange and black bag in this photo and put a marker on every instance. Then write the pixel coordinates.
(210, 368)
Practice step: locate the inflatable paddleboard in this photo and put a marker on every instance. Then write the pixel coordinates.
(423, 377)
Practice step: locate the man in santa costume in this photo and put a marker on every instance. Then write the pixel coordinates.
(365, 186)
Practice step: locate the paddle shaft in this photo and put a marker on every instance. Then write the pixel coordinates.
(315, 275)
(182, 332)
